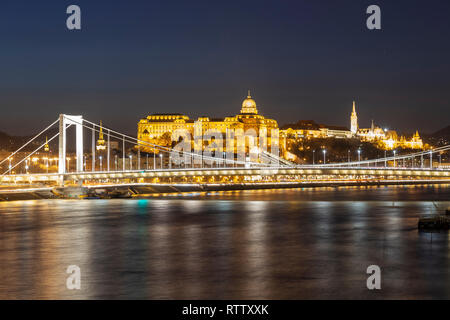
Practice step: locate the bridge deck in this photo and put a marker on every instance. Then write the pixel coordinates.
(256, 173)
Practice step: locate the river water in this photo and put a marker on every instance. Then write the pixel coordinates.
(270, 244)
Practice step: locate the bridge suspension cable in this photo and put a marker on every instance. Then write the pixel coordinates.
(31, 140)
(33, 152)
(385, 159)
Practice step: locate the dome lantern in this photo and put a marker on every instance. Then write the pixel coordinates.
(249, 105)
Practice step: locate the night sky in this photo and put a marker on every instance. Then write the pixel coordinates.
(301, 60)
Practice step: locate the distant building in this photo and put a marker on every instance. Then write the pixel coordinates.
(310, 129)
(371, 134)
(301, 129)
(337, 132)
(158, 128)
(385, 139)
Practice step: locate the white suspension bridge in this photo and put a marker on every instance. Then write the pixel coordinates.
(121, 160)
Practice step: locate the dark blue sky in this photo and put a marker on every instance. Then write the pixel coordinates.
(301, 59)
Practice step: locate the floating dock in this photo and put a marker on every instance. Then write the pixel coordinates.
(439, 222)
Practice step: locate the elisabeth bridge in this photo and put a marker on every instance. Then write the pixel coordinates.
(121, 173)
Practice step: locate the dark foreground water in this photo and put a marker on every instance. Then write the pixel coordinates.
(276, 244)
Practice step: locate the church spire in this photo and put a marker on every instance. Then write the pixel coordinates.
(101, 142)
(101, 131)
(248, 94)
(46, 147)
(354, 120)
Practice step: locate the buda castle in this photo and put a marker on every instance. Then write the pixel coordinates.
(158, 128)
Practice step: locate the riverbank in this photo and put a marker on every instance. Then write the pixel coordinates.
(143, 189)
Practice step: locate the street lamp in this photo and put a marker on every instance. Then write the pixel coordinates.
(395, 151)
(161, 156)
(348, 156)
(170, 160)
(324, 154)
(101, 163)
(202, 158)
(314, 151)
(131, 162)
(359, 157)
(431, 159)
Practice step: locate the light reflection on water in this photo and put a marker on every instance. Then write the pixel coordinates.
(278, 244)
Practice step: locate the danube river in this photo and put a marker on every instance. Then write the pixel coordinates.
(271, 244)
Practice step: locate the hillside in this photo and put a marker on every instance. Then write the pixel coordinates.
(440, 137)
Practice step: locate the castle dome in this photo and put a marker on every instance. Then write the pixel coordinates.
(249, 105)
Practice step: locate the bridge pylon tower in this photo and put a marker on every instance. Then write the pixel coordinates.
(65, 121)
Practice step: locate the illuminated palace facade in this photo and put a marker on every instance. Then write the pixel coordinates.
(158, 128)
